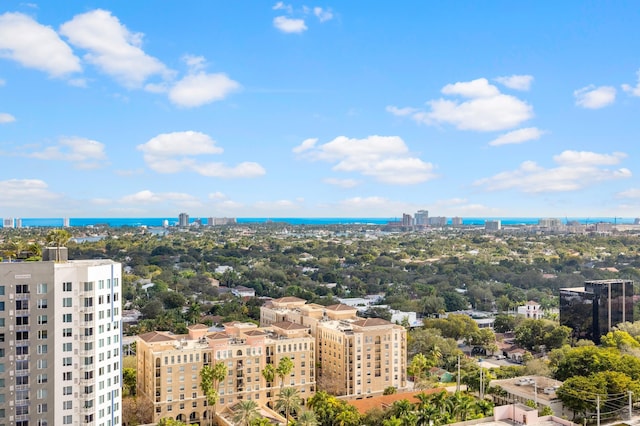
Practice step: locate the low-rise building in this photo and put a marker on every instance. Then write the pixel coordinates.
(539, 389)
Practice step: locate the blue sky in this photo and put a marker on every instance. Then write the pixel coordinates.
(312, 109)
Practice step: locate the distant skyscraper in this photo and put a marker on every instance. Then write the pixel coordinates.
(7, 222)
(407, 220)
(60, 333)
(165, 223)
(18, 223)
(492, 225)
(456, 221)
(593, 310)
(183, 220)
(65, 222)
(422, 218)
(438, 221)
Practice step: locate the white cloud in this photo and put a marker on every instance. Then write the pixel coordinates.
(306, 145)
(593, 97)
(198, 89)
(518, 136)
(323, 15)
(479, 88)
(385, 158)
(276, 205)
(6, 118)
(365, 203)
(629, 193)
(195, 63)
(516, 82)
(149, 197)
(84, 153)
(33, 45)
(343, 183)
(26, 193)
(176, 152)
(486, 110)
(282, 6)
(289, 25)
(575, 170)
(401, 112)
(217, 196)
(113, 48)
(633, 90)
(2, 82)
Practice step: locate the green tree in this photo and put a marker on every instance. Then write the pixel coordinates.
(244, 412)
(284, 368)
(579, 394)
(170, 421)
(306, 418)
(269, 374)
(289, 401)
(210, 378)
(129, 381)
(58, 237)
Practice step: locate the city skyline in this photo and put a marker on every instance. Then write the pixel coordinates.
(307, 109)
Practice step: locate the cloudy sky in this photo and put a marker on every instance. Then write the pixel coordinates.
(312, 109)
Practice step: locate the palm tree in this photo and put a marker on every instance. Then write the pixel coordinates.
(59, 237)
(401, 408)
(306, 418)
(269, 374)
(244, 412)
(285, 366)
(427, 414)
(210, 378)
(288, 401)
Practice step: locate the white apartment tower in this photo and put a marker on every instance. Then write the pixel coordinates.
(61, 342)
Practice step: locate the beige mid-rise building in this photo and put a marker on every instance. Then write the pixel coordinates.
(355, 356)
(169, 366)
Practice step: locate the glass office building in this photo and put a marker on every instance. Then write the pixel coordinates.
(593, 310)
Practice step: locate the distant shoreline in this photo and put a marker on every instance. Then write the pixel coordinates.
(172, 221)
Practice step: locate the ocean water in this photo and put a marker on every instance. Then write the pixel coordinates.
(158, 221)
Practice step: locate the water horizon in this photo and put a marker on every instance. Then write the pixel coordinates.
(316, 221)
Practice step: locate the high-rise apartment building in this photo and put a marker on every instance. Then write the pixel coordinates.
(593, 310)
(456, 221)
(169, 366)
(8, 222)
(492, 225)
(355, 356)
(183, 220)
(421, 218)
(60, 342)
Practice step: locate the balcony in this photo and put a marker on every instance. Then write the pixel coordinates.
(23, 296)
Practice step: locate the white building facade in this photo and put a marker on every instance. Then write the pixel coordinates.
(60, 327)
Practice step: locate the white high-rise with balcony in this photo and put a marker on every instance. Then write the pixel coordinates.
(60, 356)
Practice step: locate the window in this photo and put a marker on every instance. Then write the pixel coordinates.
(22, 335)
(42, 378)
(66, 375)
(88, 286)
(66, 302)
(42, 364)
(66, 347)
(66, 332)
(41, 394)
(22, 288)
(67, 405)
(22, 350)
(66, 361)
(42, 349)
(42, 334)
(67, 318)
(67, 420)
(1, 290)
(67, 390)
(1, 306)
(66, 286)
(42, 304)
(42, 319)
(41, 288)
(22, 320)
(42, 408)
